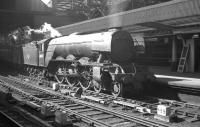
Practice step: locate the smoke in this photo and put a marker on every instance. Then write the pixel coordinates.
(47, 28)
(116, 6)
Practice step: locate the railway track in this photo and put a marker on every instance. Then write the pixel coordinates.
(87, 109)
(90, 113)
(182, 109)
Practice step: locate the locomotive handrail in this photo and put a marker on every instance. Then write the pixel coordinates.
(65, 60)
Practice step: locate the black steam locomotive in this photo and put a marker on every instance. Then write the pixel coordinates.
(102, 61)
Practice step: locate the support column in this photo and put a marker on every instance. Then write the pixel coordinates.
(174, 55)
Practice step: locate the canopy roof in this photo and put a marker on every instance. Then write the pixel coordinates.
(178, 16)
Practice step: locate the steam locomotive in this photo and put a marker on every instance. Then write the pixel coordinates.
(102, 61)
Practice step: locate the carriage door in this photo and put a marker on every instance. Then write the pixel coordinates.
(41, 54)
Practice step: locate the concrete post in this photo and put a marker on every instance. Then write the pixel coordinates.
(174, 55)
(174, 52)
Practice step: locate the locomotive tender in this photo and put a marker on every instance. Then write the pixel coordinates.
(103, 61)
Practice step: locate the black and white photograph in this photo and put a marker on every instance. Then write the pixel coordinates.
(100, 63)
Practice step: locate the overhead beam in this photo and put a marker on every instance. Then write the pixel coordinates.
(188, 30)
(157, 25)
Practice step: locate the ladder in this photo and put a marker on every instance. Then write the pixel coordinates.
(183, 58)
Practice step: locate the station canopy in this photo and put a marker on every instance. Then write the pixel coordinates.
(174, 17)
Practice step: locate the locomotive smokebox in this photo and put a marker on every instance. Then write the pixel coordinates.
(122, 47)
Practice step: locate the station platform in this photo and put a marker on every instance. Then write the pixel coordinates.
(164, 74)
